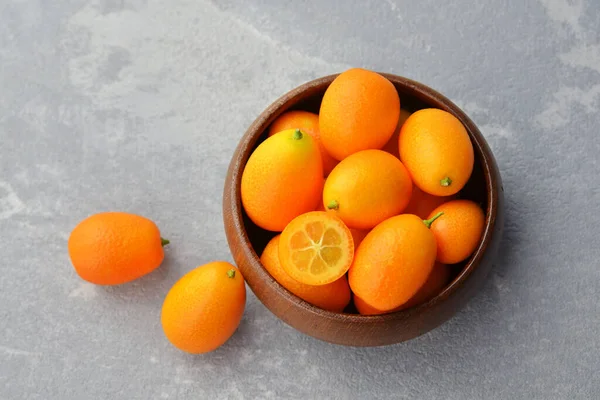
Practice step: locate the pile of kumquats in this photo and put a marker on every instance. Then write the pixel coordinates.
(365, 197)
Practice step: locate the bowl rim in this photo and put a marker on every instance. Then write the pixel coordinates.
(232, 199)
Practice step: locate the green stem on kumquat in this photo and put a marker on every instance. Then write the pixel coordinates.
(446, 182)
(333, 205)
(429, 221)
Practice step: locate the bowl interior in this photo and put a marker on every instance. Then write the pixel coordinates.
(413, 97)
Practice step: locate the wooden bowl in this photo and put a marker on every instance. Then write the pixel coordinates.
(247, 241)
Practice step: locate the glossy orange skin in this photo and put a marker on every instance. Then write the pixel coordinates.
(437, 280)
(393, 262)
(333, 296)
(392, 145)
(422, 204)
(307, 122)
(359, 111)
(368, 187)
(204, 308)
(113, 248)
(458, 231)
(365, 309)
(283, 178)
(435, 146)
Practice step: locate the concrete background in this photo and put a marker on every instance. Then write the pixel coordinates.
(137, 105)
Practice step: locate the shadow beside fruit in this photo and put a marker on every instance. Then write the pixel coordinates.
(149, 287)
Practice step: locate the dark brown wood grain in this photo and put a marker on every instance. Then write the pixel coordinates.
(247, 241)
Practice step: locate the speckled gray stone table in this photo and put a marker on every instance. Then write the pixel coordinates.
(137, 105)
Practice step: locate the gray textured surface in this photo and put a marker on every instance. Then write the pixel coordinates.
(137, 105)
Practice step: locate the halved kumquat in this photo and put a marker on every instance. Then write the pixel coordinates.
(316, 248)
